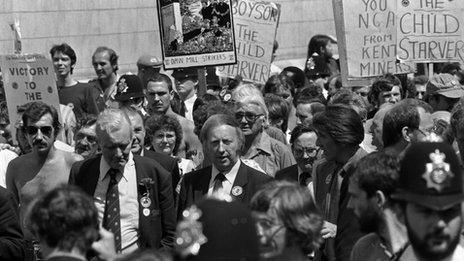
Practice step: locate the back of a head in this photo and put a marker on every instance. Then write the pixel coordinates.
(349, 98)
(377, 171)
(341, 123)
(223, 231)
(296, 75)
(404, 114)
(65, 219)
(277, 84)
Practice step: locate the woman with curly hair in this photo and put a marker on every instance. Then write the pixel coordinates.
(165, 135)
(287, 220)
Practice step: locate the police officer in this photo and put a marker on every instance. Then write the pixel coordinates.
(148, 67)
(431, 190)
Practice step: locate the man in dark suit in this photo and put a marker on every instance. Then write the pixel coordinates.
(223, 141)
(138, 148)
(304, 149)
(133, 194)
(12, 244)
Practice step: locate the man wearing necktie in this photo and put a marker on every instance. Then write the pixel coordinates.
(305, 151)
(223, 142)
(133, 194)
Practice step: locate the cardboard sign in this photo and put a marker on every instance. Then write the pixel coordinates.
(28, 78)
(366, 31)
(255, 25)
(195, 33)
(430, 30)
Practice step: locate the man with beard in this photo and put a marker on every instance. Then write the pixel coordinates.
(371, 186)
(304, 149)
(431, 190)
(45, 167)
(86, 138)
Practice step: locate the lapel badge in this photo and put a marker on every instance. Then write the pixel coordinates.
(145, 202)
(237, 191)
(146, 212)
(438, 174)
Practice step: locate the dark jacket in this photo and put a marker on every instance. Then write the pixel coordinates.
(289, 173)
(168, 163)
(195, 185)
(156, 230)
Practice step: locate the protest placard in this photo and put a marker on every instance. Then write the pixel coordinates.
(255, 30)
(366, 33)
(430, 30)
(196, 33)
(28, 78)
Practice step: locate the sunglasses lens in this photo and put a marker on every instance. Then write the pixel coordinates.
(46, 130)
(31, 130)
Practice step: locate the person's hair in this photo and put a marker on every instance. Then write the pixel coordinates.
(341, 123)
(355, 101)
(65, 49)
(403, 114)
(65, 218)
(164, 123)
(4, 118)
(132, 113)
(295, 207)
(411, 85)
(450, 68)
(221, 120)
(311, 93)
(317, 42)
(296, 75)
(377, 171)
(250, 94)
(278, 109)
(279, 82)
(36, 110)
(383, 84)
(111, 120)
(299, 130)
(87, 121)
(147, 255)
(421, 79)
(161, 77)
(203, 112)
(112, 54)
(338, 82)
(457, 118)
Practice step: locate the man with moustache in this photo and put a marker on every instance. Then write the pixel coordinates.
(431, 191)
(304, 149)
(45, 167)
(223, 141)
(133, 194)
(85, 138)
(373, 182)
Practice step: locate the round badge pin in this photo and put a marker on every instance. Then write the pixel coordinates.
(145, 202)
(237, 191)
(146, 212)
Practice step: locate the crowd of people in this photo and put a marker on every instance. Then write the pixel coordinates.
(145, 167)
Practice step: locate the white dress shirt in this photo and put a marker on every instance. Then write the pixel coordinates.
(227, 183)
(128, 202)
(189, 107)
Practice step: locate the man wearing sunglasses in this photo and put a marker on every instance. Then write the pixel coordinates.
(303, 141)
(45, 167)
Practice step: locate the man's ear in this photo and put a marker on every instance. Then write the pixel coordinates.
(406, 133)
(380, 199)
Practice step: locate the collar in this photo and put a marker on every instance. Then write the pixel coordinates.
(230, 176)
(191, 99)
(104, 167)
(263, 144)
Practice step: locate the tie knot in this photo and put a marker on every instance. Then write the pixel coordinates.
(220, 177)
(113, 173)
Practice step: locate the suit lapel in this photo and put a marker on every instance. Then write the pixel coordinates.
(89, 184)
(203, 183)
(238, 188)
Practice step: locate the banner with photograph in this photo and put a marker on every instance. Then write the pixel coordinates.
(196, 33)
(255, 24)
(430, 31)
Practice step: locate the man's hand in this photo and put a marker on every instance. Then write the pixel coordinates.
(328, 230)
(105, 246)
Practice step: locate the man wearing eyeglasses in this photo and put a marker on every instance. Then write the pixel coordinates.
(303, 141)
(45, 167)
(86, 138)
(252, 114)
(407, 122)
